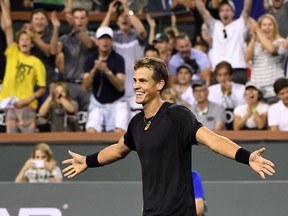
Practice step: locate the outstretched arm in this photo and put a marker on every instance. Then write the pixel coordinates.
(7, 22)
(246, 10)
(229, 149)
(106, 156)
(206, 16)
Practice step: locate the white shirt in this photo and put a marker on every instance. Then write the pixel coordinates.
(278, 115)
(241, 110)
(231, 48)
(234, 99)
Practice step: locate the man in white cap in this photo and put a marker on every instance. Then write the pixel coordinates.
(105, 73)
(228, 36)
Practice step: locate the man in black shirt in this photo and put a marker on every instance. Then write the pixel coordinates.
(162, 135)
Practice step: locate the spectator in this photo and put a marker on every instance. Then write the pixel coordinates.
(169, 95)
(23, 72)
(226, 92)
(210, 114)
(228, 36)
(105, 72)
(41, 167)
(48, 5)
(267, 64)
(198, 194)
(278, 112)
(253, 114)
(60, 110)
(151, 51)
(129, 42)
(186, 52)
(76, 46)
(45, 44)
(183, 86)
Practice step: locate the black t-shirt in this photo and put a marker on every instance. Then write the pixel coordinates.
(165, 155)
(102, 88)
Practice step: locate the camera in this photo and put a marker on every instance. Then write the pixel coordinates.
(38, 163)
(119, 6)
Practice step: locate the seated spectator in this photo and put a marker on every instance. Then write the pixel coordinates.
(186, 52)
(105, 74)
(183, 86)
(263, 52)
(278, 112)
(226, 92)
(23, 72)
(253, 114)
(151, 51)
(41, 167)
(169, 95)
(198, 194)
(48, 5)
(3, 46)
(60, 110)
(210, 114)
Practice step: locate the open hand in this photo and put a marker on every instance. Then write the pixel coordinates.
(260, 164)
(78, 165)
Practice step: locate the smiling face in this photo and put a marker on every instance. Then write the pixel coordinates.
(268, 27)
(145, 87)
(226, 14)
(183, 46)
(39, 22)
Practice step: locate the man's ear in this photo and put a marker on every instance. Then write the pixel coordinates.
(160, 85)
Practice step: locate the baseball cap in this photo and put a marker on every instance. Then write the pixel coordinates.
(199, 82)
(104, 30)
(159, 37)
(229, 2)
(251, 84)
(187, 66)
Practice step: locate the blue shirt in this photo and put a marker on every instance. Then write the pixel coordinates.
(197, 184)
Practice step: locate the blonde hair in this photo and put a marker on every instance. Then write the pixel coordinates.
(276, 28)
(45, 148)
(169, 92)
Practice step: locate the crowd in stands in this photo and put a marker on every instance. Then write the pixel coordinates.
(232, 72)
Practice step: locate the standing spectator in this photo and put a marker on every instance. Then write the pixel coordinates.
(267, 64)
(228, 36)
(278, 112)
(129, 41)
(226, 92)
(210, 114)
(48, 5)
(41, 167)
(60, 110)
(186, 52)
(23, 72)
(76, 46)
(253, 114)
(105, 72)
(45, 44)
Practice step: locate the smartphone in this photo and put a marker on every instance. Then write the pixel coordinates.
(38, 163)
